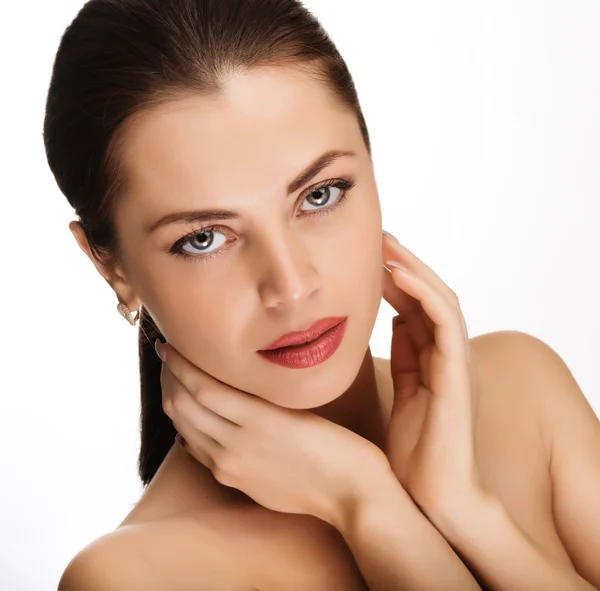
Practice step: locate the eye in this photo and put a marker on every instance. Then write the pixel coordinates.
(321, 195)
(200, 240)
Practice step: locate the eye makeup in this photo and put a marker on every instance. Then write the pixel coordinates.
(343, 184)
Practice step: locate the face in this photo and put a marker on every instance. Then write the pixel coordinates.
(221, 289)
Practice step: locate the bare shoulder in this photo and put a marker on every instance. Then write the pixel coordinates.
(214, 550)
(166, 554)
(535, 415)
(109, 562)
(539, 378)
(513, 371)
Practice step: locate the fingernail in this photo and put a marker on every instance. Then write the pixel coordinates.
(397, 265)
(391, 236)
(159, 350)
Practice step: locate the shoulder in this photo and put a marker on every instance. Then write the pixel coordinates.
(167, 554)
(538, 374)
(513, 431)
(544, 386)
(509, 345)
(506, 341)
(520, 373)
(109, 562)
(519, 376)
(514, 358)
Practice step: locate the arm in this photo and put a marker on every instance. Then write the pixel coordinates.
(501, 554)
(574, 466)
(483, 532)
(395, 546)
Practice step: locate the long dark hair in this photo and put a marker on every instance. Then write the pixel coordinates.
(119, 57)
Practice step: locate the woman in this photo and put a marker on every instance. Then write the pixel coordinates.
(228, 133)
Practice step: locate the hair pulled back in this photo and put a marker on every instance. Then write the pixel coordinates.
(118, 58)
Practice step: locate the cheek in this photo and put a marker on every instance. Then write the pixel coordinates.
(359, 274)
(205, 317)
(183, 311)
(363, 245)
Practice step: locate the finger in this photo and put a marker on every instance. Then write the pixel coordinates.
(191, 417)
(404, 357)
(204, 449)
(404, 304)
(223, 399)
(449, 340)
(409, 310)
(395, 251)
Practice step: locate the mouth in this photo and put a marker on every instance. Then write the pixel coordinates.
(298, 339)
(300, 345)
(310, 352)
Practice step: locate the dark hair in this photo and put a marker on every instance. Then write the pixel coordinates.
(119, 57)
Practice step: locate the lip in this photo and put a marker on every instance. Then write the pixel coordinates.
(314, 353)
(301, 337)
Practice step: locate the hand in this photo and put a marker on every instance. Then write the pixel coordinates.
(430, 438)
(287, 460)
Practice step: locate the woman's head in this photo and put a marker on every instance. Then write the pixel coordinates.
(158, 108)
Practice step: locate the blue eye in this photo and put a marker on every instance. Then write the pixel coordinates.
(203, 238)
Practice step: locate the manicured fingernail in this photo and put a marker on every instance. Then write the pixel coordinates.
(159, 350)
(397, 265)
(391, 236)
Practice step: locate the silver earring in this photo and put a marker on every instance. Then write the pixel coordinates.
(126, 313)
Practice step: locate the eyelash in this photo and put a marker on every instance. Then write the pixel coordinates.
(345, 184)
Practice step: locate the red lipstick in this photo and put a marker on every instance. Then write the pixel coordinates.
(303, 349)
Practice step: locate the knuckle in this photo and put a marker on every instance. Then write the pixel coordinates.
(202, 395)
(211, 464)
(167, 405)
(222, 473)
(454, 301)
(227, 464)
(177, 404)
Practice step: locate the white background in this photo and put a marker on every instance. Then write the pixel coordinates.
(485, 121)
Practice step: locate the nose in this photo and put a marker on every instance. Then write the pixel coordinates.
(288, 275)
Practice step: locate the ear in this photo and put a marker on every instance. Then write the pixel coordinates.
(125, 293)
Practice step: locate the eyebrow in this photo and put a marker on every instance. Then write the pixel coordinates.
(306, 175)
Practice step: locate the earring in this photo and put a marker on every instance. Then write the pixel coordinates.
(126, 313)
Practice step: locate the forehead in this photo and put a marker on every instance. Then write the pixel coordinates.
(265, 121)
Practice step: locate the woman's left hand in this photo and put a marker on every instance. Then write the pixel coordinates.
(287, 460)
(430, 438)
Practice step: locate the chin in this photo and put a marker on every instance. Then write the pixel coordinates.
(309, 401)
(325, 382)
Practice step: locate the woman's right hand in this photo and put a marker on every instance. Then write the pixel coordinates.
(287, 460)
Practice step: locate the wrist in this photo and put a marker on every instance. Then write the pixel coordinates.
(378, 488)
(474, 506)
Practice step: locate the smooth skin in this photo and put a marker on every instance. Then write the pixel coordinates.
(508, 435)
(296, 462)
(279, 457)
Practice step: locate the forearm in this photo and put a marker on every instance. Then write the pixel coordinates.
(502, 556)
(396, 547)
